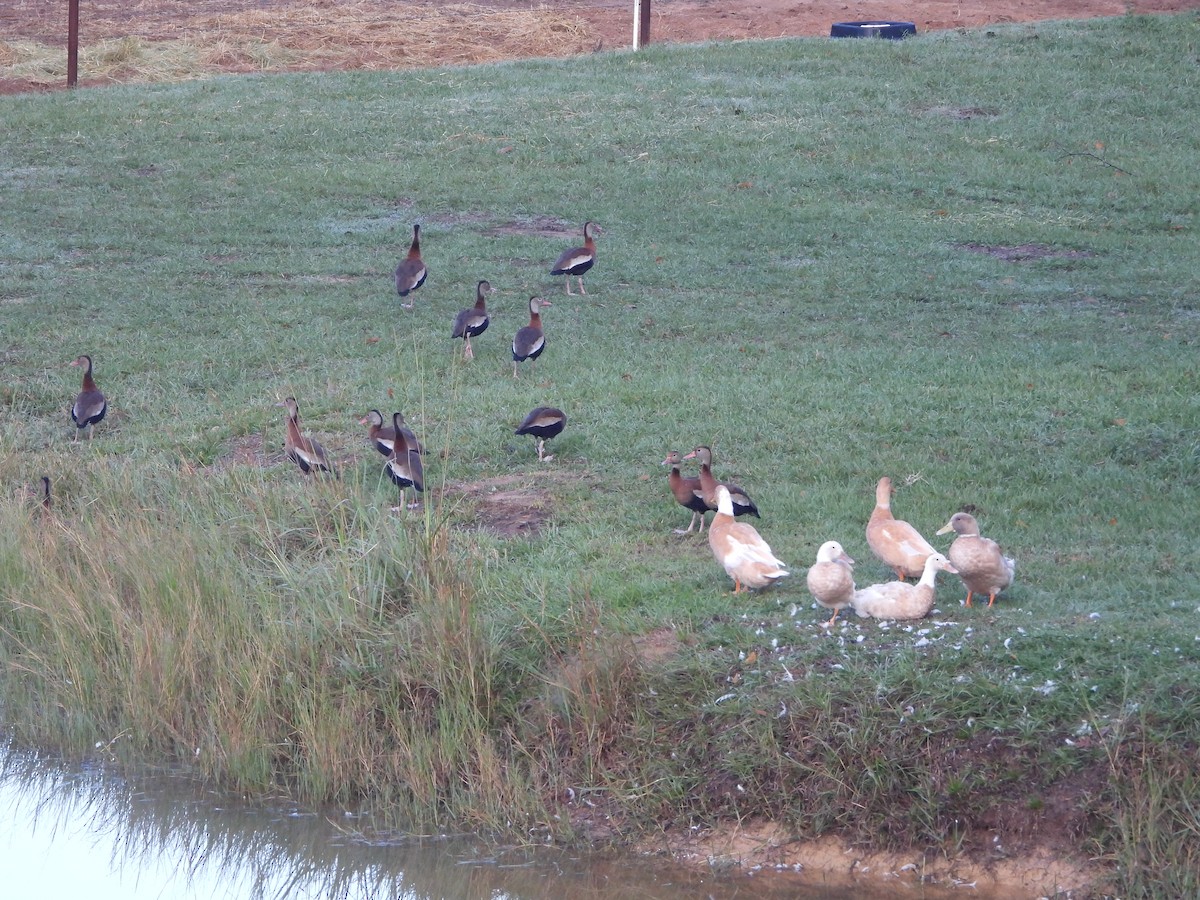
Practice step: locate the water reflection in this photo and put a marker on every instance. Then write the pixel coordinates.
(79, 831)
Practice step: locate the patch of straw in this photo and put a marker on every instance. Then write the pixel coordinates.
(175, 46)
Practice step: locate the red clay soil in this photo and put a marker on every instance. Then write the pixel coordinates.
(610, 21)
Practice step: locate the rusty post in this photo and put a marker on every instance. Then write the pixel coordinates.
(72, 43)
(641, 23)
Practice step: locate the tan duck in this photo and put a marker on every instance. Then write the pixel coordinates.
(687, 492)
(411, 273)
(742, 504)
(577, 260)
(893, 540)
(304, 451)
(473, 321)
(899, 599)
(831, 580)
(90, 404)
(981, 566)
(739, 548)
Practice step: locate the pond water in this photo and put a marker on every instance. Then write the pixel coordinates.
(80, 831)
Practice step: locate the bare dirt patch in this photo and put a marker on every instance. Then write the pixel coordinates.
(1025, 252)
(510, 505)
(830, 862)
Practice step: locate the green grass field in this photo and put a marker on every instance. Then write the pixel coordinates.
(968, 261)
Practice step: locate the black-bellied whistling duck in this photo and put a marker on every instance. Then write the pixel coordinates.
(740, 549)
(404, 465)
(530, 340)
(893, 540)
(411, 272)
(303, 451)
(383, 437)
(831, 579)
(899, 599)
(577, 260)
(90, 405)
(742, 504)
(980, 564)
(687, 492)
(543, 423)
(473, 321)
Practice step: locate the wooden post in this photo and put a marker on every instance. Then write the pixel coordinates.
(641, 23)
(72, 43)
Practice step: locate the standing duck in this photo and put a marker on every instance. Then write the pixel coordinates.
(90, 405)
(980, 564)
(577, 260)
(737, 546)
(899, 599)
(383, 437)
(742, 504)
(895, 541)
(411, 272)
(530, 341)
(404, 465)
(543, 423)
(687, 492)
(473, 321)
(303, 451)
(831, 580)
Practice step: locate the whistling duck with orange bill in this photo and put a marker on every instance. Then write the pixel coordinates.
(687, 492)
(577, 260)
(899, 599)
(90, 405)
(742, 504)
(893, 540)
(303, 451)
(404, 465)
(739, 548)
(543, 423)
(473, 321)
(411, 272)
(980, 564)
(530, 340)
(383, 437)
(831, 580)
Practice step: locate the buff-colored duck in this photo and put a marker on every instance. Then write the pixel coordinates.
(737, 546)
(899, 599)
(893, 540)
(981, 566)
(831, 580)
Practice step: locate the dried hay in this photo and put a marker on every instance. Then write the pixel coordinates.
(168, 41)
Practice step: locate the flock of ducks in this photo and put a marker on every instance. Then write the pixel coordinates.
(749, 561)
(737, 546)
(397, 443)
